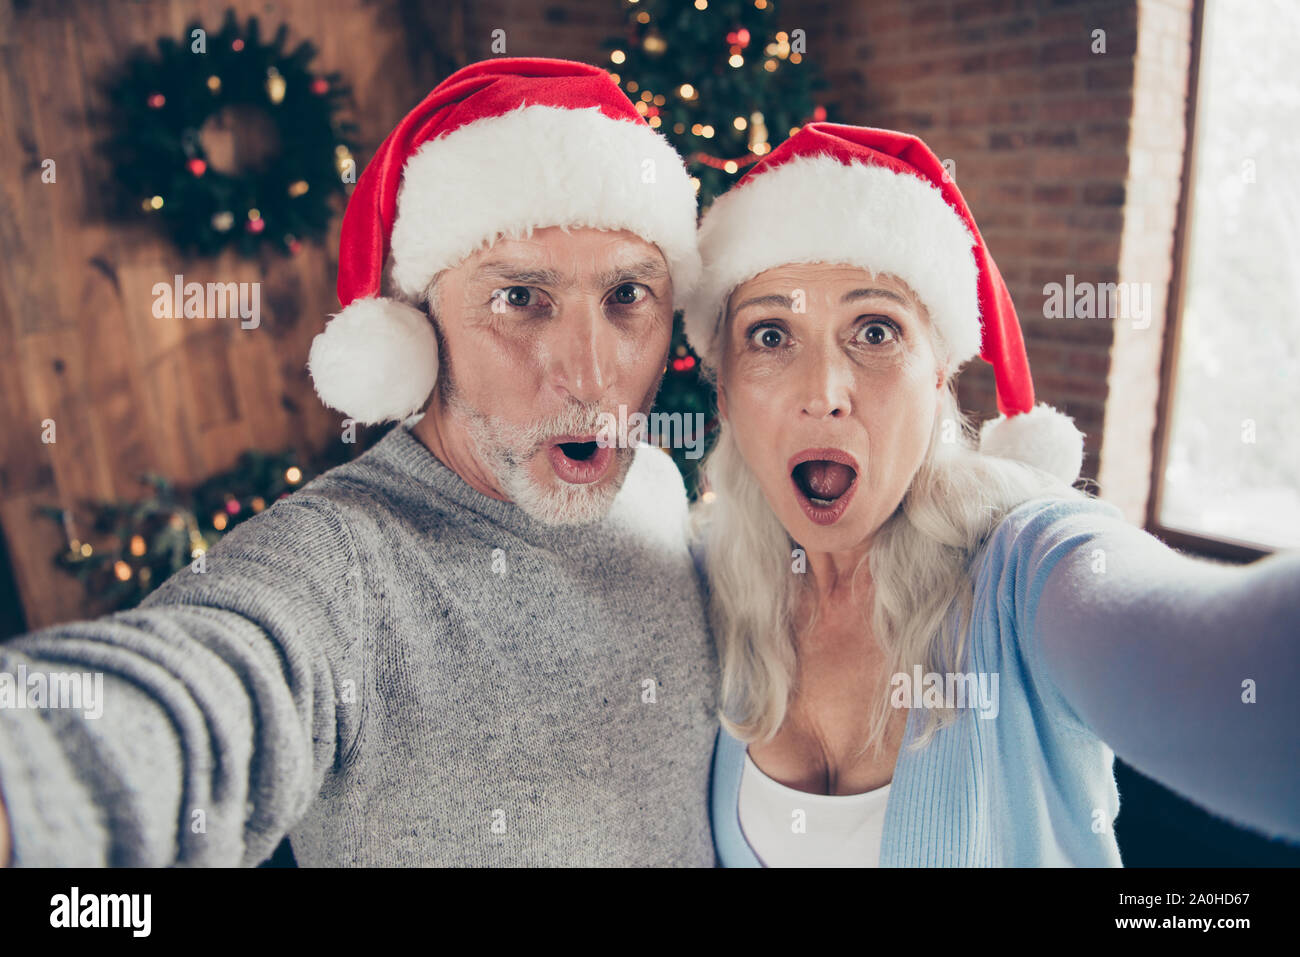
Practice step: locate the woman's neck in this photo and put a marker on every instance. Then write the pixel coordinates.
(836, 579)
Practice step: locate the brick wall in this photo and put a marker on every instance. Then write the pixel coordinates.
(1041, 129)
(1068, 155)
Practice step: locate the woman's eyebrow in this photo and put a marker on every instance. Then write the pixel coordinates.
(771, 301)
(778, 301)
(858, 294)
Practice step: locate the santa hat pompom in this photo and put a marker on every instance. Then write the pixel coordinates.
(499, 148)
(376, 360)
(1043, 437)
(883, 201)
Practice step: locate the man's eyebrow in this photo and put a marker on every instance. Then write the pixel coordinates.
(518, 275)
(645, 269)
(528, 276)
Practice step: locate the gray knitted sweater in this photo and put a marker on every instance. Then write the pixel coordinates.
(392, 669)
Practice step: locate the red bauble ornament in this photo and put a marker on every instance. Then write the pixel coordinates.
(742, 37)
(236, 44)
(294, 246)
(819, 114)
(320, 86)
(255, 225)
(197, 166)
(156, 100)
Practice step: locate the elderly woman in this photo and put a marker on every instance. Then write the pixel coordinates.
(932, 645)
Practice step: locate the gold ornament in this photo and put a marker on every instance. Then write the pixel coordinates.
(275, 85)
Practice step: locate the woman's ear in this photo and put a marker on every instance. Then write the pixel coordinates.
(722, 402)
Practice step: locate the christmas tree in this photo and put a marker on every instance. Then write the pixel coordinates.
(725, 82)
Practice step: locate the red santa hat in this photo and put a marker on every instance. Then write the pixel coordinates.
(499, 148)
(882, 200)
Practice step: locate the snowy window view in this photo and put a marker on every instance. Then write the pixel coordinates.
(1233, 465)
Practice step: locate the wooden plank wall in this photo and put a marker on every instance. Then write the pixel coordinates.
(78, 342)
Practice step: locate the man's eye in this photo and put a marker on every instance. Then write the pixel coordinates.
(767, 337)
(515, 297)
(878, 333)
(629, 294)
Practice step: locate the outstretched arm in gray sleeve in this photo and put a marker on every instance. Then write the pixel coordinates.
(217, 714)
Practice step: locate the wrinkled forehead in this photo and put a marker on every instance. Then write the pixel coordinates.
(566, 252)
(821, 284)
(559, 257)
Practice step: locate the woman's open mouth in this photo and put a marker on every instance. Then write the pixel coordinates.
(824, 482)
(579, 459)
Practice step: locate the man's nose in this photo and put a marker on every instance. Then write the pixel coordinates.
(826, 382)
(584, 351)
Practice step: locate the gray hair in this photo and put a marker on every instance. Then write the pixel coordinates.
(429, 300)
(919, 562)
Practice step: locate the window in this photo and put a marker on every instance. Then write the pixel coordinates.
(1228, 455)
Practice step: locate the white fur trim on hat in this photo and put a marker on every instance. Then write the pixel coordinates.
(815, 209)
(376, 360)
(1043, 437)
(540, 166)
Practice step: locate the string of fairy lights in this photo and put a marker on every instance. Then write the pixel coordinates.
(142, 543)
(671, 108)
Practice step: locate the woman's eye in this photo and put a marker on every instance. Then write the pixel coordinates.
(878, 333)
(629, 294)
(767, 337)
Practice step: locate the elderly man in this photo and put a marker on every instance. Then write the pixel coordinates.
(483, 641)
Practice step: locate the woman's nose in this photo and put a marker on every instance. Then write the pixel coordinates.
(827, 385)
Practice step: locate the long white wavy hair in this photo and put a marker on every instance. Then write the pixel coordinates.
(919, 562)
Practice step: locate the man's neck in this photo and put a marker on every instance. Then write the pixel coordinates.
(450, 446)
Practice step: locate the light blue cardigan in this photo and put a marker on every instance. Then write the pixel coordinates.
(1129, 643)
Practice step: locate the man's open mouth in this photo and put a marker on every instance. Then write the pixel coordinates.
(578, 451)
(825, 480)
(579, 459)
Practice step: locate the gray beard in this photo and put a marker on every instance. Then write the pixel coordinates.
(506, 450)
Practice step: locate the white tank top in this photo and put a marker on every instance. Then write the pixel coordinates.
(833, 830)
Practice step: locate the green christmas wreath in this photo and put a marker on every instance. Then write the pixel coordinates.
(173, 109)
